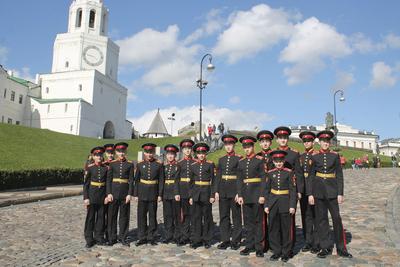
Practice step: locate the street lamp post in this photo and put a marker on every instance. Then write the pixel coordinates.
(334, 110)
(172, 118)
(201, 84)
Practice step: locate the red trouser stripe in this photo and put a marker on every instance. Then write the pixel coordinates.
(344, 238)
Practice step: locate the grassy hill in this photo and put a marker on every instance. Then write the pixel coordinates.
(31, 148)
(26, 148)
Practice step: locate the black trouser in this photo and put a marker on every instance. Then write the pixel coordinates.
(321, 208)
(280, 231)
(171, 212)
(94, 223)
(226, 205)
(105, 221)
(253, 222)
(202, 221)
(293, 229)
(118, 205)
(147, 231)
(184, 219)
(309, 223)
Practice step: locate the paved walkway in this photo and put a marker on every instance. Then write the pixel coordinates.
(51, 233)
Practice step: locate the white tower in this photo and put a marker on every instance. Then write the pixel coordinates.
(81, 95)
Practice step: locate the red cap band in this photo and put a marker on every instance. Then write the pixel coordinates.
(325, 136)
(278, 155)
(148, 147)
(187, 144)
(247, 141)
(120, 147)
(171, 149)
(201, 148)
(283, 132)
(265, 136)
(98, 151)
(308, 136)
(229, 139)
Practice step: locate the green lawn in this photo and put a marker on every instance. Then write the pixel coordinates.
(26, 148)
(31, 148)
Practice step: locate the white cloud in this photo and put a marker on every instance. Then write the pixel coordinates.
(382, 75)
(24, 73)
(252, 31)
(214, 23)
(233, 119)
(234, 100)
(3, 54)
(392, 41)
(343, 80)
(364, 44)
(311, 43)
(170, 65)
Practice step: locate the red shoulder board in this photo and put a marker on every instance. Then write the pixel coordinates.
(287, 169)
(90, 165)
(333, 152)
(315, 153)
(259, 157)
(238, 155)
(272, 170)
(294, 150)
(210, 161)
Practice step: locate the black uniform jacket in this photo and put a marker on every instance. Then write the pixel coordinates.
(120, 178)
(149, 180)
(227, 175)
(94, 187)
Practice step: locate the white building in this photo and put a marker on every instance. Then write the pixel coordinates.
(347, 136)
(389, 147)
(81, 95)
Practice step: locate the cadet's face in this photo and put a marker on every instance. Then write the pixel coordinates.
(109, 155)
(170, 156)
(325, 144)
(98, 158)
(282, 140)
(149, 154)
(248, 149)
(120, 153)
(187, 151)
(229, 147)
(278, 163)
(265, 144)
(308, 144)
(201, 156)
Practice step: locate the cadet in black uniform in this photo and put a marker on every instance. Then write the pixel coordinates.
(202, 195)
(119, 194)
(149, 181)
(109, 156)
(227, 175)
(170, 196)
(291, 162)
(94, 193)
(308, 217)
(184, 186)
(326, 192)
(251, 196)
(265, 138)
(281, 200)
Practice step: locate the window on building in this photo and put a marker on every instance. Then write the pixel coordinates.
(347, 143)
(66, 108)
(78, 23)
(362, 144)
(2, 119)
(370, 145)
(48, 108)
(354, 143)
(92, 18)
(47, 90)
(71, 127)
(9, 121)
(80, 87)
(5, 93)
(12, 95)
(17, 122)
(66, 64)
(21, 98)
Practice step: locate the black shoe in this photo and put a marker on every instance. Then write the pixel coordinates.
(259, 254)
(315, 250)
(207, 245)
(246, 251)
(90, 244)
(166, 241)
(323, 253)
(153, 242)
(101, 242)
(266, 249)
(183, 242)
(290, 254)
(275, 257)
(125, 243)
(285, 258)
(111, 243)
(196, 245)
(344, 254)
(223, 245)
(306, 248)
(141, 242)
(235, 246)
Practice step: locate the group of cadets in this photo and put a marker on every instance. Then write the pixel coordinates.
(261, 189)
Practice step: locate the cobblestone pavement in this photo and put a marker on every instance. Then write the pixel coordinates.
(51, 233)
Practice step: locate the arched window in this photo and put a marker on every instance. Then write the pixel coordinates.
(66, 64)
(103, 26)
(92, 18)
(78, 23)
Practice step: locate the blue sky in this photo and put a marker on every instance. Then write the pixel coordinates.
(276, 61)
